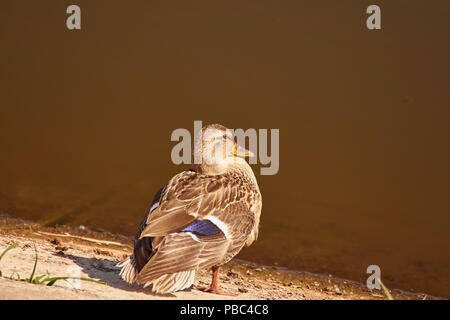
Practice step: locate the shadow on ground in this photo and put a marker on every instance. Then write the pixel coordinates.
(105, 270)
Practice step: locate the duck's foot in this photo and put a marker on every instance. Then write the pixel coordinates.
(214, 288)
(216, 291)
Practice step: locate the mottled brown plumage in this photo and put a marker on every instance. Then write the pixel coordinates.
(198, 221)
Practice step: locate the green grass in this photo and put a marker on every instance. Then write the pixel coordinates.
(15, 244)
(386, 291)
(42, 279)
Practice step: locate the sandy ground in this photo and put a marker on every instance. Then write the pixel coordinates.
(65, 251)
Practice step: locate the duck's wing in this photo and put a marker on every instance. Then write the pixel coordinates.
(143, 248)
(201, 221)
(254, 201)
(202, 244)
(183, 251)
(189, 197)
(154, 205)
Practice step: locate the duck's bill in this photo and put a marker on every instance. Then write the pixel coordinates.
(238, 151)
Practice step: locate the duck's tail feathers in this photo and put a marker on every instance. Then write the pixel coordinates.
(171, 282)
(128, 272)
(164, 284)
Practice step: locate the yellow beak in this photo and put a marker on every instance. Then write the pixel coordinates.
(238, 151)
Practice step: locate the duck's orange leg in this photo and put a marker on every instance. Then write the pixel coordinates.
(214, 288)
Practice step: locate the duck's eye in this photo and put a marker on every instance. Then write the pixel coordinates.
(224, 137)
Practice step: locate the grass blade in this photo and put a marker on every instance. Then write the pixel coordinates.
(14, 245)
(37, 280)
(35, 264)
(386, 291)
(51, 281)
(92, 280)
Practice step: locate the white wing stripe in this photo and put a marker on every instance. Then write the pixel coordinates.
(193, 236)
(156, 205)
(219, 224)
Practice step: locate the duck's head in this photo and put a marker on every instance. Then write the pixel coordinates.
(215, 151)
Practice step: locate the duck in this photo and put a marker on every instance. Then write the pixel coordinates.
(200, 219)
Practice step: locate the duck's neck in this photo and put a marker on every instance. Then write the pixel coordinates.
(229, 165)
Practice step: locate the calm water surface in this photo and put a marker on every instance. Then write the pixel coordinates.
(86, 118)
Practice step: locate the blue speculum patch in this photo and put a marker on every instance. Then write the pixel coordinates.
(202, 227)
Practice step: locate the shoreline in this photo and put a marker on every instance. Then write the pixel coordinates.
(65, 251)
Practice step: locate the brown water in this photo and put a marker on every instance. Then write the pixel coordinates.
(86, 118)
